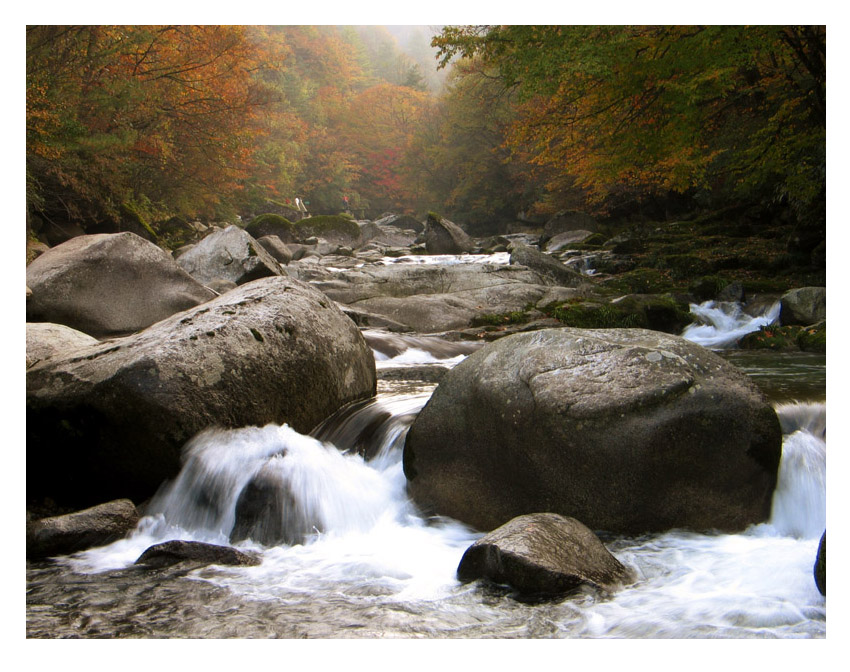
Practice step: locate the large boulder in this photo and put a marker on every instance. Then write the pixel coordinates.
(229, 254)
(96, 526)
(542, 554)
(445, 237)
(277, 248)
(628, 430)
(547, 266)
(45, 339)
(109, 284)
(805, 306)
(110, 421)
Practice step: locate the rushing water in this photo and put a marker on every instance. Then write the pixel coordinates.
(722, 324)
(361, 561)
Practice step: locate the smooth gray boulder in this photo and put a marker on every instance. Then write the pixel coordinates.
(229, 254)
(628, 430)
(805, 306)
(542, 554)
(445, 237)
(109, 284)
(96, 526)
(563, 240)
(171, 552)
(547, 266)
(111, 420)
(277, 248)
(45, 340)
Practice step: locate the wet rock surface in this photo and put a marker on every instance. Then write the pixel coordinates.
(628, 430)
(542, 554)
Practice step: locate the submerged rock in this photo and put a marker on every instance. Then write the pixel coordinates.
(628, 430)
(110, 420)
(820, 565)
(172, 552)
(267, 512)
(109, 284)
(542, 554)
(96, 526)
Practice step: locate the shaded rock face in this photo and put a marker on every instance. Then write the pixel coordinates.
(45, 340)
(230, 254)
(171, 552)
(96, 526)
(109, 284)
(277, 248)
(820, 566)
(562, 240)
(547, 266)
(445, 237)
(111, 420)
(629, 430)
(805, 306)
(542, 554)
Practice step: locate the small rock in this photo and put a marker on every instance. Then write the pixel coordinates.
(542, 554)
(172, 552)
(820, 566)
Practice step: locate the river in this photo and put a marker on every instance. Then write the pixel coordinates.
(370, 566)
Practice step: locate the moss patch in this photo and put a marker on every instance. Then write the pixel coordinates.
(326, 225)
(790, 338)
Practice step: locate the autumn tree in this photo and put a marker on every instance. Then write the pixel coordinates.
(625, 112)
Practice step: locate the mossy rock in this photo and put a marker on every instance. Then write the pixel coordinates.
(707, 287)
(132, 220)
(272, 225)
(334, 228)
(640, 281)
(785, 339)
(684, 266)
(645, 311)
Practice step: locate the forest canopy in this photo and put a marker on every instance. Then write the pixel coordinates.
(212, 122)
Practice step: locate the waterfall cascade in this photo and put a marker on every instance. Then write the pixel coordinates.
(723, 324)
(365, 553)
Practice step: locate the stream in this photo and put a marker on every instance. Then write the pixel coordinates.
(370, 566)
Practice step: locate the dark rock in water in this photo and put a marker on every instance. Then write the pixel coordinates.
(97, 526)
(820, 565)
(109, 284)
(629, 430)
(230, 254)
(172, 552)
(445, 237)
(542, 554)
(45, 340)
(805, 306)
(547, 266)
(267, 512)
(110, 420)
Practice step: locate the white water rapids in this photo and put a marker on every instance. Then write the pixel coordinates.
(723, 324)
(368, 553)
